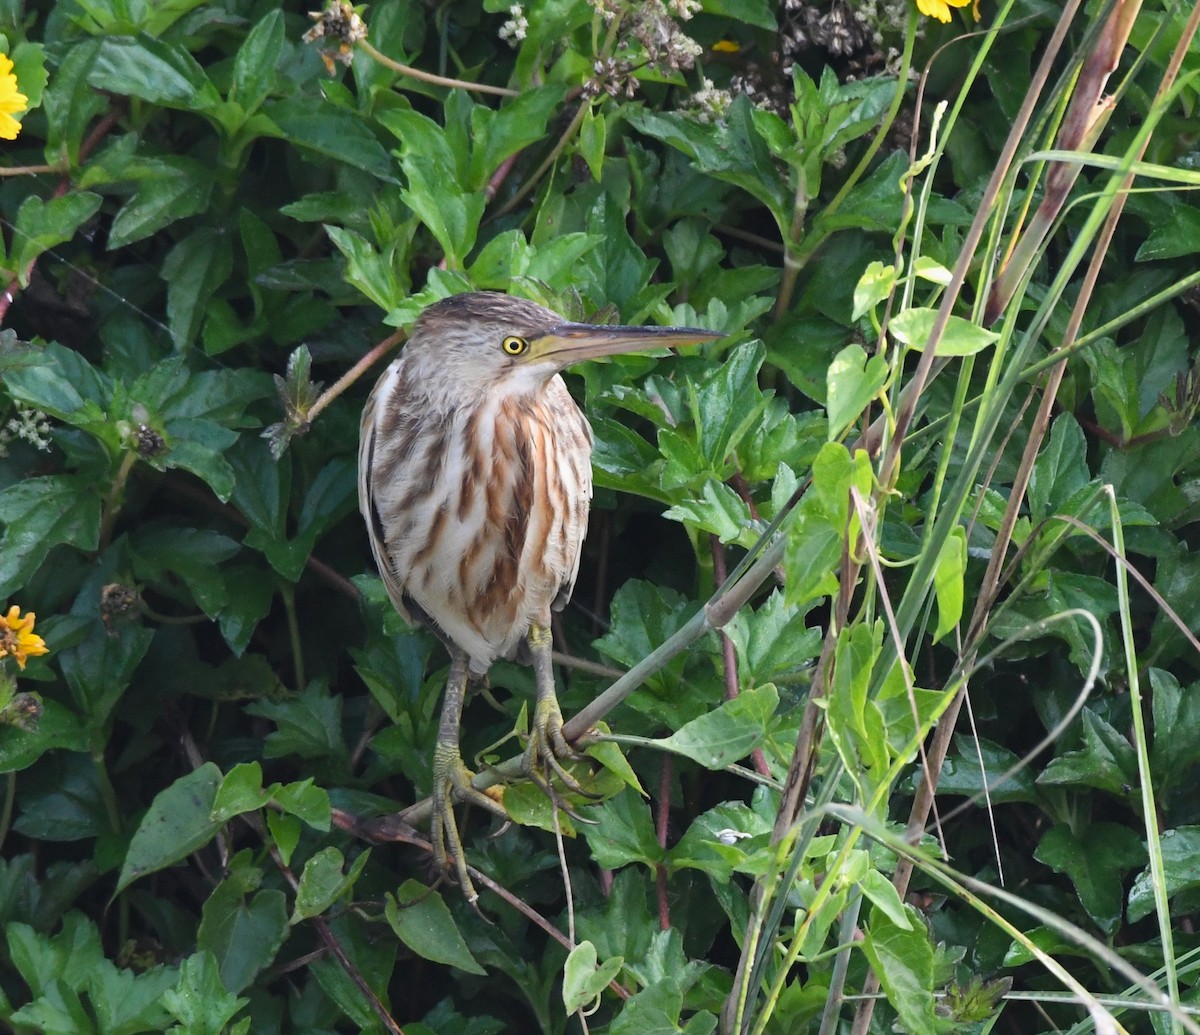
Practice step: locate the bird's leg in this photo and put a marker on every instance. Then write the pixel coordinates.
(452, 780)
(546, 741)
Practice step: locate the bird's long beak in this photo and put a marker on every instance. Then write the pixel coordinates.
(574, 342)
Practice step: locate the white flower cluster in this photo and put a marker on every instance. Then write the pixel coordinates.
(649, 35)
(708, 104)
(514, 30)
(31, 425)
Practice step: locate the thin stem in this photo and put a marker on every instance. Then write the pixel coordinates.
(115, 497)
(430, 77)
(353, 374)
(10, 798)
(661, 824)
(528, 186)
(287, 593)
(33, 170)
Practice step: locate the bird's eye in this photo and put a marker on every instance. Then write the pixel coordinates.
(513, 345)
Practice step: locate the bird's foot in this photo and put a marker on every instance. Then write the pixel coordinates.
(452, 784)
(547, 748)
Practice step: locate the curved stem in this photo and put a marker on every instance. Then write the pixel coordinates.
(115, 498)
(353, 374)
(10, 798)
(287, 592)
(551, 158)
(430, 77)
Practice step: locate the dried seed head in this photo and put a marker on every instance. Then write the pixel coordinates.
(117, 599)
(147, 441)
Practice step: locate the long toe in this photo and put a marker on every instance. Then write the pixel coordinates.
(548, 748)
(452, 784)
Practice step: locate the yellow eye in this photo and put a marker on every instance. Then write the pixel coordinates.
(513, 345)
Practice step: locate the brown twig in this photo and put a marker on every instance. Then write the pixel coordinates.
(728, 654)
(388, 829)
(431, 78)
(368, 360)
(662, 821)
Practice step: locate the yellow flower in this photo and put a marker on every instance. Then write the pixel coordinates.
(17, 638)
(939, 9)
(12, 101)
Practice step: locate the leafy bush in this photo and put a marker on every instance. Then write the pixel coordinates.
(947, 442)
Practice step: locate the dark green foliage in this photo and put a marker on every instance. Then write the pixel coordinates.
(234, 216)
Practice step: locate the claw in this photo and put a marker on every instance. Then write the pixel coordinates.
(546, 746)
(451, 785)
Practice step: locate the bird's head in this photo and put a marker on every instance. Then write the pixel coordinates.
(484, 341)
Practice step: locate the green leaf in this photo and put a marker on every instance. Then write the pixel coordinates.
(773, 642)
(175, 188)
(309, 725)
(613, 759)
(720, 511)
(100, 667)
(333, 134)
(194, 555)
(623, 833)
(178, 822)
(1106, 761)
(243, 934)
(322, 883)
(421, 920)
(1177, 235)
(643, 617)
(961, 772)
(41, 225)
(592, 142)
(853, 383)
(727, 402)
(902, 959)
(1176, 729)
(873, 287)
(733, 150)
(371, 271)
(583, 980)
(728, 733)
(450, 215)
(856, 724)
(241, 791)
(57, 727)
(193, 270)
(726, 839)
(29, 66)
(254, 65)
(201, 1003)
(67, 956)
(39, 514)
(948, 581)
(153, 70)
(961, 337)
(1095, 860)
(1180, 849)
(883, 896)
(1060, 469)
(285, 832)
(72, 106)
(306, 802)
(499, 133)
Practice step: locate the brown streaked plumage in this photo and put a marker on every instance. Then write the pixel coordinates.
(475, 481)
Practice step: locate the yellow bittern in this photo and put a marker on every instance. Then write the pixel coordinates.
(475, 481)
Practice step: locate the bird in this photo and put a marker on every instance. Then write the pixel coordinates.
(474, 483)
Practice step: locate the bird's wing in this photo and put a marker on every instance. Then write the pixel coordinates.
(581, 469)
(368, 430)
